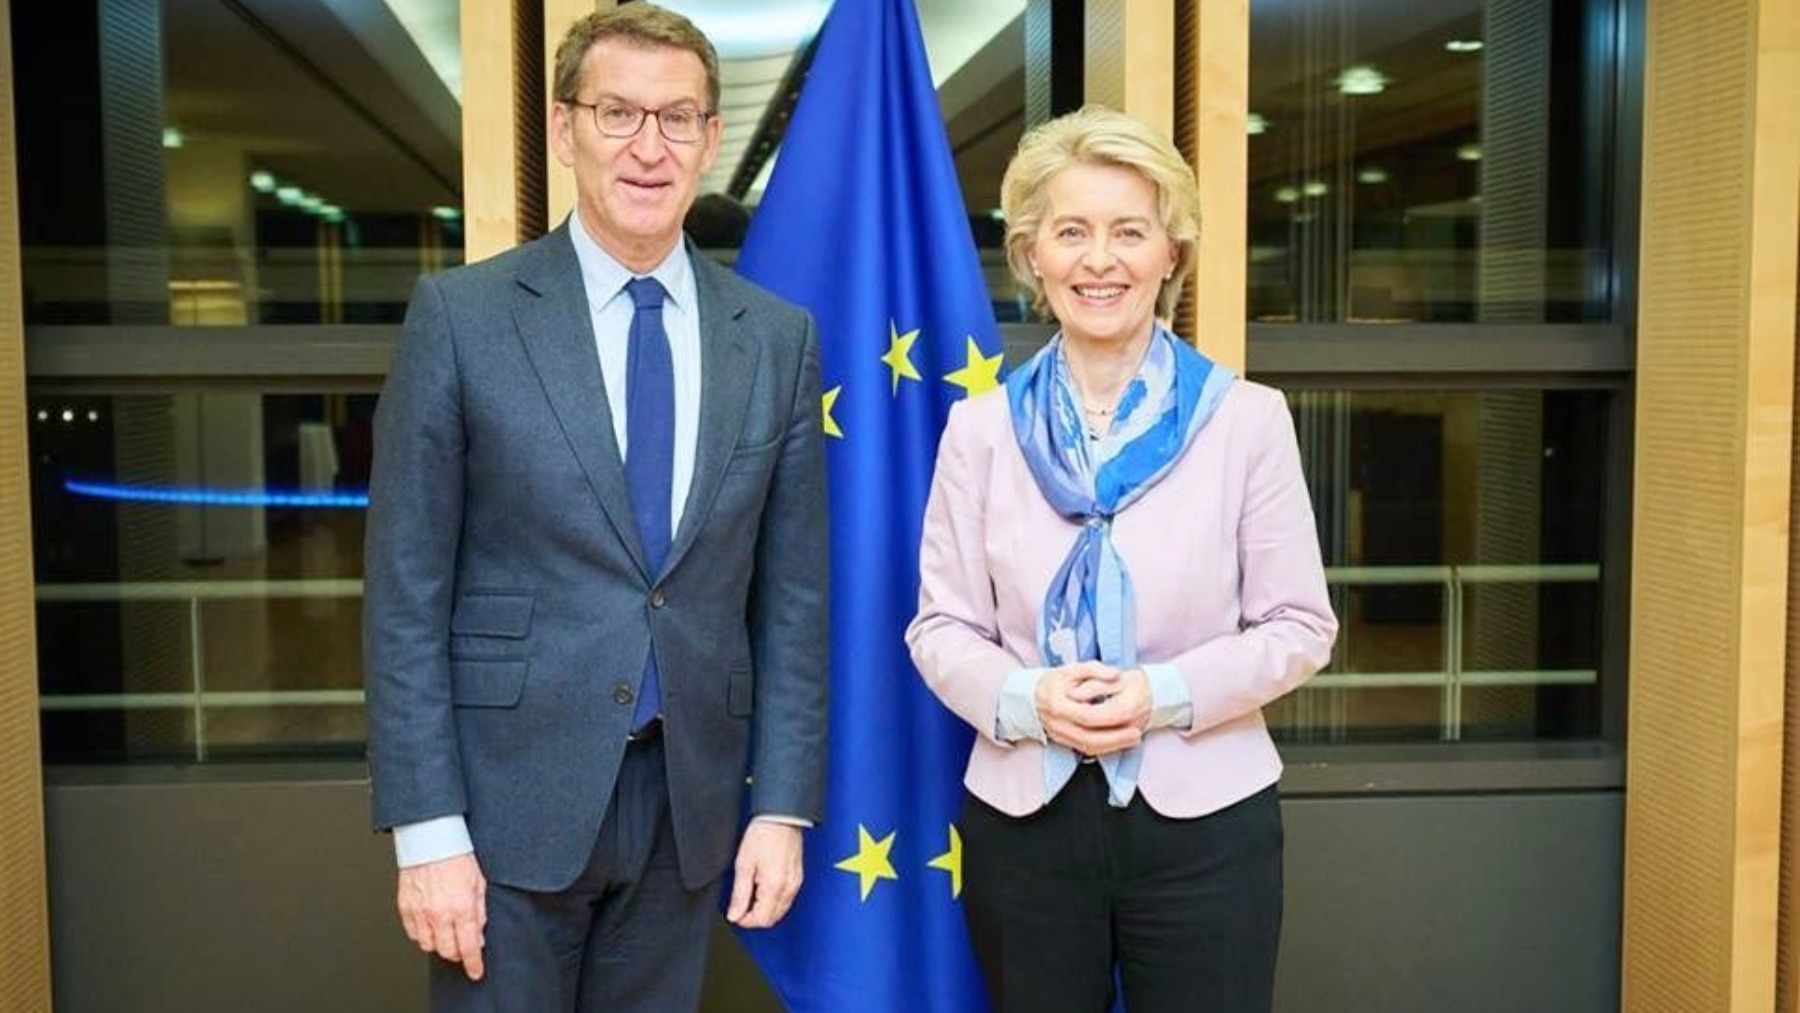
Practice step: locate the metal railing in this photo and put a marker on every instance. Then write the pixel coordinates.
(1450, 679)
(198, 699)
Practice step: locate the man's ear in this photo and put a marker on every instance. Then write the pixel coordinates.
(562, 133)
(715, 130)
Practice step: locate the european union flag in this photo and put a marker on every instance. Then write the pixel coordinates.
(864, 225)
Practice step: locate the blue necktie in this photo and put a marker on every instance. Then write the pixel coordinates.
(649, 451)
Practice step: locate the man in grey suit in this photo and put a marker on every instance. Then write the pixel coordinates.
(595, 585)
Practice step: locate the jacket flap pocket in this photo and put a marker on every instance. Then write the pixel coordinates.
(492, 615)
(487, 683)
(757, 458)
(740, 692)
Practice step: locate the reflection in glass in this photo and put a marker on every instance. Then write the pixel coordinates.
(1462, 539)
(199, 563)
(197, 162)
(1429, 162)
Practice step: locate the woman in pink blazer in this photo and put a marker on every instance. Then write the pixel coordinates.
(1119, 569)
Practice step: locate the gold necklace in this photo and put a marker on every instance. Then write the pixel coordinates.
(1099, 420)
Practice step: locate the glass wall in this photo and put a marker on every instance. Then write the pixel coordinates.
(212, 179)
(1462, 534)
(1444, 176)
(1435, 265)
(1430, 162)
(224, 206)
(199, 564)
(202, 162)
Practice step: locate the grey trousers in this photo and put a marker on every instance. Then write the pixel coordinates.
(626, 937)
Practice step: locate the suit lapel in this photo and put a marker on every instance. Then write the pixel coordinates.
(550, 310)
(727, 365)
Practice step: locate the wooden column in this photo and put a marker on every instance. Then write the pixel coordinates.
(24, 917)
(1212, 109)
(1710, 537)
(503, 99)
(559, 182)
(1787, 972)
(1787, 967)
(1130, 62)
(1183, 66)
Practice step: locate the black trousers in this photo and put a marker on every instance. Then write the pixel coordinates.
(627, 937)
(1185, 912)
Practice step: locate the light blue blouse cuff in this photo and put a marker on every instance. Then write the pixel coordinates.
(1171, 706)
(1017, 717)
(431, 841)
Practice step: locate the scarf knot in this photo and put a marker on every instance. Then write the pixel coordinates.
(1089, 607)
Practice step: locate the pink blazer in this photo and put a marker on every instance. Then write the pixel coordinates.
(1229, 587)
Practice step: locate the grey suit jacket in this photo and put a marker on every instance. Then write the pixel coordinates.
(508, 606)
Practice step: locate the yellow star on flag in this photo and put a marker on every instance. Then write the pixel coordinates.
(830, 399)
(951, 862)
(871, 861)
(981, 373)
(899, 355)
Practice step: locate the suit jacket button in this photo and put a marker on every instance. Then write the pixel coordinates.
(657, 599)
(622, 694)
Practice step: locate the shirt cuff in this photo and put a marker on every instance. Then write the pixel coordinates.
(1171, 705)
(1017, 716)
(786, 821)
(431, 841)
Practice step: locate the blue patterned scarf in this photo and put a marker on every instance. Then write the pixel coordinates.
(1089, 611)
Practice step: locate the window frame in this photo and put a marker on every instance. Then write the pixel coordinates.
(1417, 356)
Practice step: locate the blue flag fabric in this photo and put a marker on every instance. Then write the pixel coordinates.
(864, 225)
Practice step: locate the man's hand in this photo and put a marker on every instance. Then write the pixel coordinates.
(767, 875)
(1093, 708)
(444, 908)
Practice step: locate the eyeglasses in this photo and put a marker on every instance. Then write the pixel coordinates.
(679, 124)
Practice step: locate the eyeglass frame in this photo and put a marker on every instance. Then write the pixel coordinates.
(593, 108)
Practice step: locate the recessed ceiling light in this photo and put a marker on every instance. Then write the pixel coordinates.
(262, 181)
(1372, 175)
(1287, 195)
(1469, 153)
(770, 28)
(1362, 80)
(1315, 188)
(445, 213)
(1464, 45)
(173, 138)
(290, 195)
(1256, 124)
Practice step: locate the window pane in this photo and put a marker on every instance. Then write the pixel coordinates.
(195, 162)
(199, 565)
(1462, 540)
(1443, 162)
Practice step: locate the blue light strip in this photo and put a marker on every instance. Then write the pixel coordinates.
(217, 497)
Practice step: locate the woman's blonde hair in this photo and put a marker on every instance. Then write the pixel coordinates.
(1096, 135)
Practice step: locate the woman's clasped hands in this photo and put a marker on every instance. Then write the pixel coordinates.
(1093, 708)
